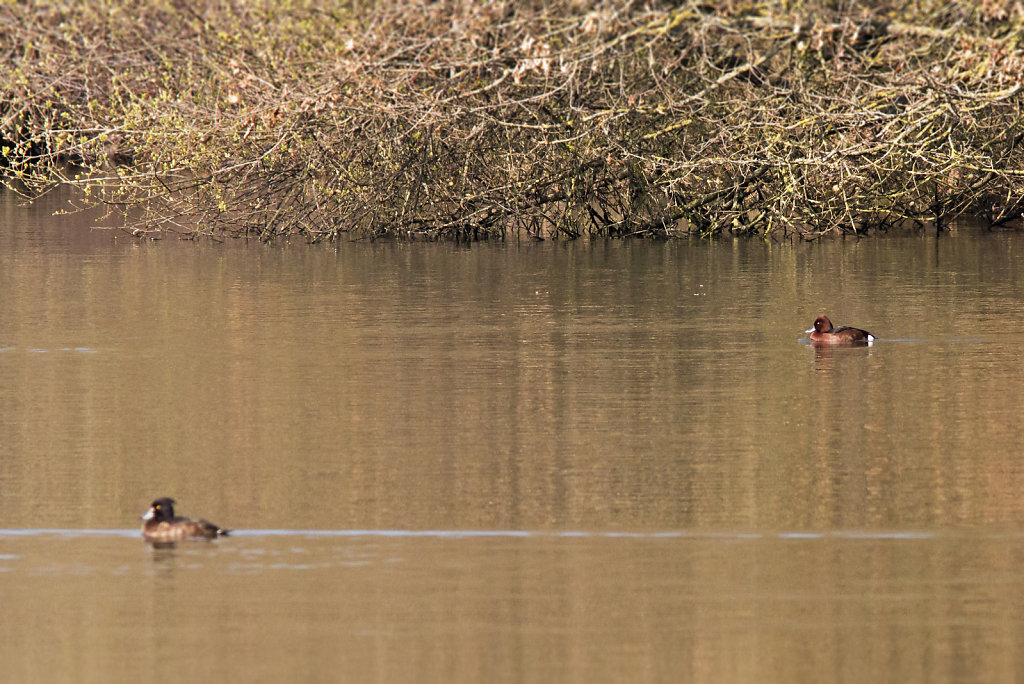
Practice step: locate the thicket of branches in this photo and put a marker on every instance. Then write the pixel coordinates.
(481, 119)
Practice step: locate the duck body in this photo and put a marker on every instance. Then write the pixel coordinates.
(823, 332)
(161, 525)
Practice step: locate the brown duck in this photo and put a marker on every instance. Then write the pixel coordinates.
(161, 525)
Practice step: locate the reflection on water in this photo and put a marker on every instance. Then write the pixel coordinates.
(79, 350)
(592, 461)
(455, 606)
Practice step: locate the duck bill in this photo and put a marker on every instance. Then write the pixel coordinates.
(148, 515)
(809, 330)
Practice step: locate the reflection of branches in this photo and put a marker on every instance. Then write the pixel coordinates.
(459, 119)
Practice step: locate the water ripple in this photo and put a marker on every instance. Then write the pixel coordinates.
(556, 534)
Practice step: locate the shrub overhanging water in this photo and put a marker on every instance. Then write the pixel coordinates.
(462, 120)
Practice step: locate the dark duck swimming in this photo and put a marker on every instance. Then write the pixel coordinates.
(823, 333)
(161, 525)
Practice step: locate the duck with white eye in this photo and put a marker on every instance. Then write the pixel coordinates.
(823, 333)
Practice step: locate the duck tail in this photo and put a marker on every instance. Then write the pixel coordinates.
(208, 529)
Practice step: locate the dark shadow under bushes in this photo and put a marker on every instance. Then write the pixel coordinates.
(456, 120)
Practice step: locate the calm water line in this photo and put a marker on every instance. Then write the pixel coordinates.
(591, 462)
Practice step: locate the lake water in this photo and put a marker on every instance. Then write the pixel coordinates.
(537, 462)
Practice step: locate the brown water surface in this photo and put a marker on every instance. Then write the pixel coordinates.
(510, 463)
